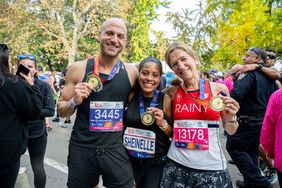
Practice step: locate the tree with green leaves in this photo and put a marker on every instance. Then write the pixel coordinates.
(195, 28)
(248, 25)
(221, 30)
(56, 31)
(140, 17)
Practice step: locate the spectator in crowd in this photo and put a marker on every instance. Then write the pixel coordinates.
(20, 101)
(270, 62)
(40, 75)
(228, 81)
(37, 134)
(252, 91)
(206, 76)
(62, 83)
(271, 132)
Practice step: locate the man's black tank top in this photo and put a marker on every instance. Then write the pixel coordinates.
(116, 89)
(132, 119)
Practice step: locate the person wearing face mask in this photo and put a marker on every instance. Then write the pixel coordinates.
(37, 137)
(195, 156)
(20, 101)
(147, 120)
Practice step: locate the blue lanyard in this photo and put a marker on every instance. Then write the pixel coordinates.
(202, 88)
(112, 73)
(152, 104)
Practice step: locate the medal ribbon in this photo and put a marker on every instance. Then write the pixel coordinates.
(152, 104)
(112, 74)
(202, 89)
(200, 100)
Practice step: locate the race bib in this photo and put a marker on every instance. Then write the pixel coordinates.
(139, 143)
(106, 116)
(191, 134)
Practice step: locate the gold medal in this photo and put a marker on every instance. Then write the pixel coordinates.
(217, 104)
(95, 82)
(148, 118)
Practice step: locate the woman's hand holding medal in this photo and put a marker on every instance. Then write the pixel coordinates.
(231, 107)
(158, 114)
(81, 92)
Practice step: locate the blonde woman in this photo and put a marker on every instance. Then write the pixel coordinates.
(195, 157)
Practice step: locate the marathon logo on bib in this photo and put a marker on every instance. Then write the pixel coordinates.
(191, 134)
(106, 116)
(139, 143)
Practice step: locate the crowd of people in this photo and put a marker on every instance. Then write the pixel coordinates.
(133, 131)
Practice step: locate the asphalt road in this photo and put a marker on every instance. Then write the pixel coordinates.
(56, 161)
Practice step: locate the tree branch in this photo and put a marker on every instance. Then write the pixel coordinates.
(49, 32)
(88, 7)
(64, 35)
(84, 29)
(75, 17)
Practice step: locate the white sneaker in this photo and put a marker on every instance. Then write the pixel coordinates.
(22, 170)
(271, 175)
(63, 125)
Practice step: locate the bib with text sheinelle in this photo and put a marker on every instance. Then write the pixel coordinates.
(106, 116)
(139, 143)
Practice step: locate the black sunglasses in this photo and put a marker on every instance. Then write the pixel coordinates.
(271, 56)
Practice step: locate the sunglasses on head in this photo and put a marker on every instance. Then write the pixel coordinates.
(271, 56)
(26, 56)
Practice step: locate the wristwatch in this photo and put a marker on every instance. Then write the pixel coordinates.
(72, 104)
(233, 120)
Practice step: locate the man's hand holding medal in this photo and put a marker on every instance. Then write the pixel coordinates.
(81, 92)
(95, 82)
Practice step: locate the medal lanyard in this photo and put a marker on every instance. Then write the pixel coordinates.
(152, 104)
(201, 100)
(112, 74)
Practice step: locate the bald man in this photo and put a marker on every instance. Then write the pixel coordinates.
(98, 89)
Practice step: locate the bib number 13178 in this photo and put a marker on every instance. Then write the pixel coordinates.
(190, 134)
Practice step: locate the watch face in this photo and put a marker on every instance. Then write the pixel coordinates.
(217, 104)
(95, 82)
(148, 118)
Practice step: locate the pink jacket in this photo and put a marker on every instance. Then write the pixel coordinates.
(271, 132)
(229, 83)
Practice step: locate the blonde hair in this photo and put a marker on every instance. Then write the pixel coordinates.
(185, 48)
